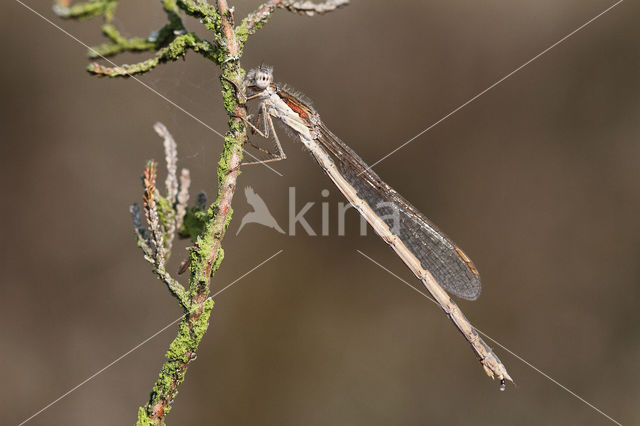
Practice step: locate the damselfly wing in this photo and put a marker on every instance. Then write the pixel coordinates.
(437, 253)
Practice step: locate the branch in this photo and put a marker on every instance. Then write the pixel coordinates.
(207, 254)
(175, 50)
(167, 215)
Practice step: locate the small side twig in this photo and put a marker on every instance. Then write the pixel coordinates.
(64, 9)
(117, 43)
(175, 50)
(151, 242)
(256, 19)
(310, 8)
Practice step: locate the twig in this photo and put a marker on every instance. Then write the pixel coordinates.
(64, 9)
(310, 8)
(256, 19)
(152, 245)
(120, 44)
(175, 50)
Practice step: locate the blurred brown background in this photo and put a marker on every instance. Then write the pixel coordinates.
(537, 180)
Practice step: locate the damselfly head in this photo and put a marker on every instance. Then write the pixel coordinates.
(259, 78)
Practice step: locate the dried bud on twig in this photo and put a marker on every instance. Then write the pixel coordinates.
(183, 197)
(171, 156)
(171, 182)
(151, 212)
(201, 199)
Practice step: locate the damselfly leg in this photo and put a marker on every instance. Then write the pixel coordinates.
(268, 128)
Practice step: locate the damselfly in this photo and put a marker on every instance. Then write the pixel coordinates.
(428, 252)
